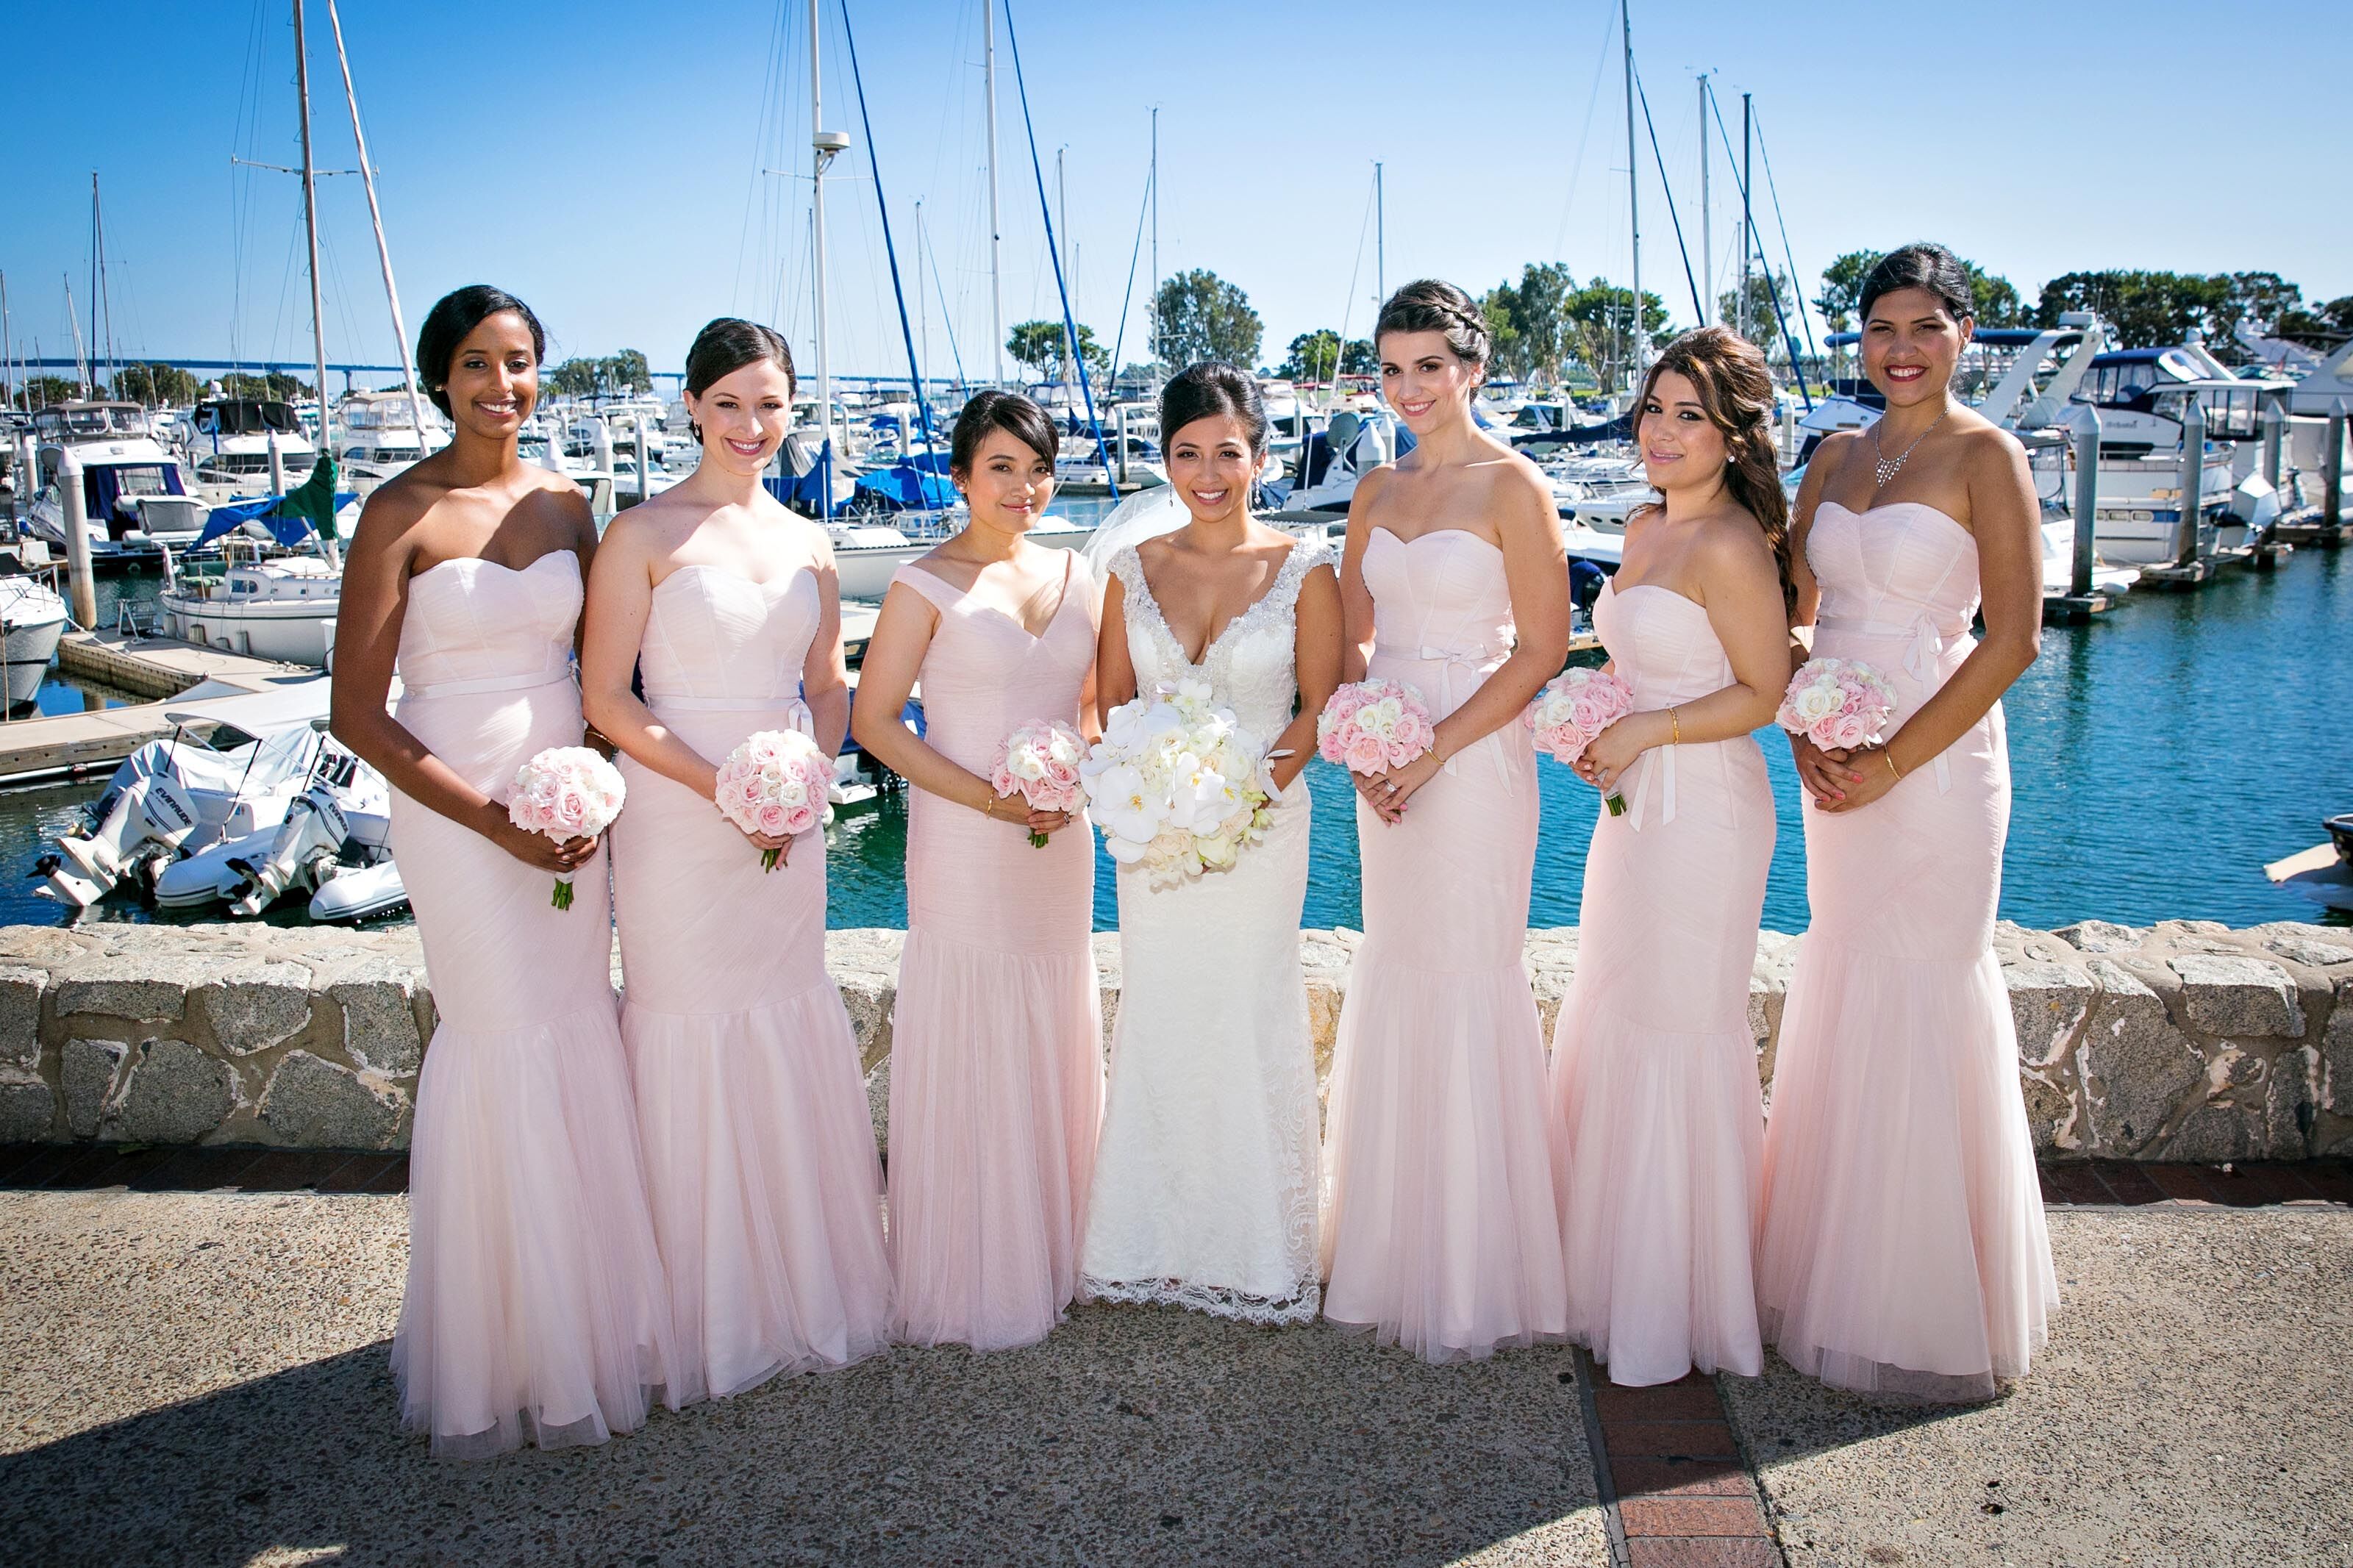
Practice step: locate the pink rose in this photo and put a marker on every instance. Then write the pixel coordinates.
(1365, 754)
(774, 821)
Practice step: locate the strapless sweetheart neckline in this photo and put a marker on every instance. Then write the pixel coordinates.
(1612, 587)
(786, 580)
(1432, 533)
(486, 561)
(1935, 511)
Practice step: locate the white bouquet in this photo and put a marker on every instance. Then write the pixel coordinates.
(1177, 786)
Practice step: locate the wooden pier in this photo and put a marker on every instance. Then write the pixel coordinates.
(67, 745)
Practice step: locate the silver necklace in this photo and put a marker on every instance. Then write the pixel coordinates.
(1886, 468)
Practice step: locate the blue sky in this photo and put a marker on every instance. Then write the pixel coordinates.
(606, 161)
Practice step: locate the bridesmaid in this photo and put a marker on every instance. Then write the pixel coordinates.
(759, 1146)
(1904, 1250)
(1658, 1129)
(996, 1047)
(534, 1307)
(1441, 1231)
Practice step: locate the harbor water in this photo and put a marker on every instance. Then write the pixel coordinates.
(2160, 755)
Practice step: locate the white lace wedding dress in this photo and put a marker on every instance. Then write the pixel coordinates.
(1206, 1173)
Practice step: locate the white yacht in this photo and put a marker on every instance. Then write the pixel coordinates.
(135, 499)
(282, 609)
(32, 619)
(376, 437)
(230, 448)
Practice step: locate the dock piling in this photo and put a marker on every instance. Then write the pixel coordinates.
(2274, 441)
(2087, 500)
(645, 471)
(2332, 468)
(1122, 412)
(2193, 485)
(80, 583)
(278, 464)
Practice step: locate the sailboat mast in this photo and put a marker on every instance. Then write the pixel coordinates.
(1380, 236)
(817, 160)
(1633, 201)
(94, 339)
(382, 251)
(1706, 212)
(996, 218)
(1748, 222)
(81, 362)
(311, 226)
(1155, 184)
(1062, 201)
(923, 303)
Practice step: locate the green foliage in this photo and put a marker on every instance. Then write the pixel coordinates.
(1203, 317)
(1313, 356)
(2321, 327)
(1038, 345)
(157, 385)
(278, 386)
(1530, 320)
(1598, 316)
(40, 391)
(612, 375)
(2150, 310)
(1764, 325)
(1360, 358)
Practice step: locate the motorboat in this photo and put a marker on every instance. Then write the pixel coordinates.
(336, 831)
(135, 499)
(231, 447)
(1598, 491)
(1080, 469)
(282, 609)
(379, 438)
(32, 619)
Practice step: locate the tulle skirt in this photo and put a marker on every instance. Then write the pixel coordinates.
(759, 1146)
(534, 1308)
(1440, 1230)
(996, 1089)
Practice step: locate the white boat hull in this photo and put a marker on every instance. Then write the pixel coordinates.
(291, 634)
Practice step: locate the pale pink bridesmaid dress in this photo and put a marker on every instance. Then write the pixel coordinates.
(1658, 1127)
(759, 1146)
(534, 1308)
(996, 1047)
(1903, 1247)
(1441, 1231)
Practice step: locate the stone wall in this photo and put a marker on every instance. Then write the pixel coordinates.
(2182, 1041)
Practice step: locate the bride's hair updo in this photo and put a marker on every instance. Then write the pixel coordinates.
(725, 346)
(1735, 392)
(453, 316)
(1006, 411)
(1208, 389)
(1922, 265)
(1434, 305)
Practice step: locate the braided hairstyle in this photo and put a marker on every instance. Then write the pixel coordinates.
(1735, 392)
(1434, 305)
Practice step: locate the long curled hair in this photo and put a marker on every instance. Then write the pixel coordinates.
(1735, 392)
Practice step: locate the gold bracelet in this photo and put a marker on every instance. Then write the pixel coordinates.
(1678, 725)
(1890, 755)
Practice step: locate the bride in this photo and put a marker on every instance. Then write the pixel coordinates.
(1206, 1175)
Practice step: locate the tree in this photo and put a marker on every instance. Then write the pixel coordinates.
(625, 370)
(2321, 327)
(278, 386)
(1599, 317)
(572, 378)
(41, 391)
(2148, 309)
(1360, 358)
(1507, 351)
(1203, 317)
(1038, 345)
(156, 385)
(1764, 325)
(1315, 356)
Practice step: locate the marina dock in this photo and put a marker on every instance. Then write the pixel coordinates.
(174, 673)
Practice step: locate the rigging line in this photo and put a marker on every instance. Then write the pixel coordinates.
(1771, 290)
(1120, 338)
(1804, 317)
(1577, 169)
(1699, 311)
(1356, 267)
(890, 249)
(1069, 323)
(954, 351)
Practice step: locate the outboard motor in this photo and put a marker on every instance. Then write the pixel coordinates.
(149, 812)
(309, 840)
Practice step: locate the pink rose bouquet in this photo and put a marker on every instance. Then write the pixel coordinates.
(1837, 703)
(1575, 707)
(775, 784)
(1373, 726)
(1039, 763)
(565, 792)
